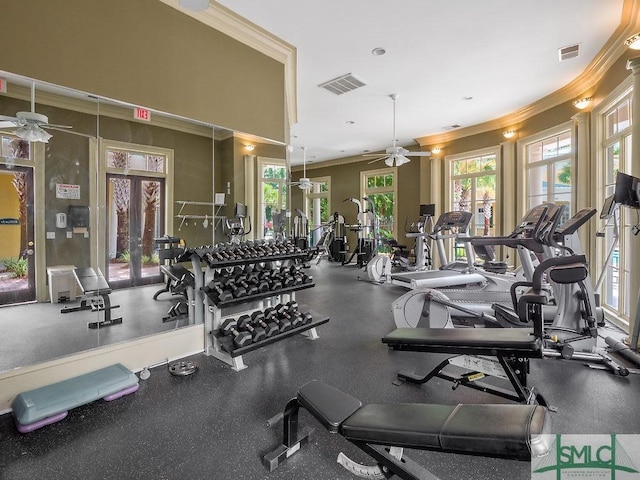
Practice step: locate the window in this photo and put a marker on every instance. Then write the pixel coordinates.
(615, 155)
(472, 181)
(473, 189)
(380, 187)
(318, 206)
(548, 169)
(273, 192)
(139, 161)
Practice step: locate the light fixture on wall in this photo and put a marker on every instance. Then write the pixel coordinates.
(195, 5)
(436, 150)
(509, 134)
(633, 42)
(582, 103)
(249, 147)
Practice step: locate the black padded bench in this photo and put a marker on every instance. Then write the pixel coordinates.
(509, 431)
(512, 348)
(95, 296)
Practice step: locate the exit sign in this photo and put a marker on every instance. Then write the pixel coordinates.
(3, 85)
(142, 114)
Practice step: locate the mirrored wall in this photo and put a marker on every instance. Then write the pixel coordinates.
(93, 183)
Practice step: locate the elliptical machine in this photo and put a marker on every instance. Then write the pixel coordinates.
(234, 227)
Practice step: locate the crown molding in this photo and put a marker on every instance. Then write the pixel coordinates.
(612, 50)
(226, 21)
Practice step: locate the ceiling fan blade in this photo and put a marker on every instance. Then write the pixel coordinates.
(417, 154)
(8, 119)
(7, 124)
(377, 159)
(59, 127)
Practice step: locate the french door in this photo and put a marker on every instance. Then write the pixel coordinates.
(135, 216)
(17, 246)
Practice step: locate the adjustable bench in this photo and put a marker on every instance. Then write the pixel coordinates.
(509, 431)
(511, 347)
(49, 404)
(95, 296)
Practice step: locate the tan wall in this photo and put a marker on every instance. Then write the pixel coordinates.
(149, 54)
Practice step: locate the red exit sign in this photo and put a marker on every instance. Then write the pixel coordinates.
(142, 114)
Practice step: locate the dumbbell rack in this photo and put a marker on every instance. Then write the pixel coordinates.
(216, 313)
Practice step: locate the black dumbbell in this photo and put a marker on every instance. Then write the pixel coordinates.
(271, 315)
(270, 329)
(232, 336)
(215, 291)
(291, 315)
(257, 333)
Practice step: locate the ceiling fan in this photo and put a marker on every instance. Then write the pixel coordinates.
(30, 126)
(395, 155)
(304, 183)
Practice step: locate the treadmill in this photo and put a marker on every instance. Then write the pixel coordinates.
(415, 307)
(449, 225)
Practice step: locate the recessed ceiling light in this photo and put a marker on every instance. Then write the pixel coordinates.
(349, 122)
(366, 151)
(378, 51)
(467, 98)
(341, 151)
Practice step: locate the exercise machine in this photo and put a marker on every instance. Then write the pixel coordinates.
(422, 248)
(382, 431)
(280, 225)
(234, 227)
(366, 230)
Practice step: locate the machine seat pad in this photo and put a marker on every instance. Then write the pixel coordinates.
(329, 405)
(178, 273)
(91, 282)
(491, 430)
(459, 340)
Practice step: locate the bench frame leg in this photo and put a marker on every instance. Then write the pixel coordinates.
(404, 468)
(292, 441)
(515, 370)
(106, 307)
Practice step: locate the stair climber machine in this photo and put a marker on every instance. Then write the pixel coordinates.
(493, 288)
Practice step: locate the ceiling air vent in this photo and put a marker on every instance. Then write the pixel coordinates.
(566, 53)
(342, 84)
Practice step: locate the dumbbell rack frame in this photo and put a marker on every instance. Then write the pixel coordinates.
(215, 314)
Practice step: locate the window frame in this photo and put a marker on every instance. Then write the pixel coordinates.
(283, 187)
(308, 196)
(365, 191)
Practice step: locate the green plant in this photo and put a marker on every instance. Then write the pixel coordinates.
(125, 257)
(17, 266)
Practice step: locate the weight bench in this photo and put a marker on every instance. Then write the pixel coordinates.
(511, 348)
(384, 430)
(49, 404)
(95, 296)
(180, 281)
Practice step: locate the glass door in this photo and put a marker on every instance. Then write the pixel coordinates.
(17, 262)
(135, 216)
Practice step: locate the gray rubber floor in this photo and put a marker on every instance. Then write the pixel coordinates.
(212, 425)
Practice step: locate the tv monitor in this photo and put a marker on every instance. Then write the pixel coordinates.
(428, 210)
(241, 210)
(78, 216)
(626, 192)
(607, 208)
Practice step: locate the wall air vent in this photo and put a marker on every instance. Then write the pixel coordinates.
(342, 84)
(566, 53)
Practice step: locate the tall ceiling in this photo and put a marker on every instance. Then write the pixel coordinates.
(439, 53)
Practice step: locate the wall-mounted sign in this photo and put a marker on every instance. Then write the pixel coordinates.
(142, 114)
(9, 221)
(71, 192)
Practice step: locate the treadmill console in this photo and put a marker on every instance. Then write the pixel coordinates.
(455, 219)
(574, 223)
(534, 219)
